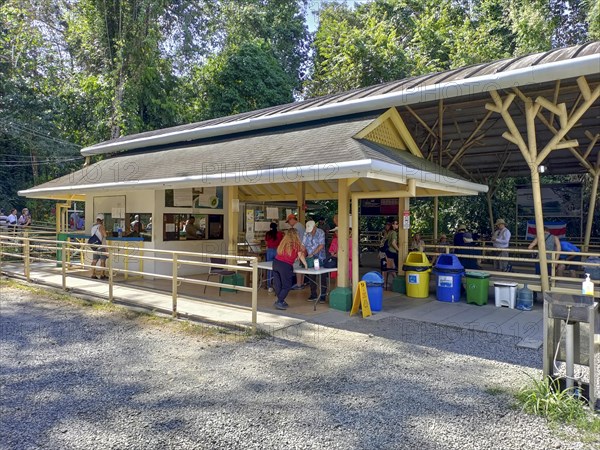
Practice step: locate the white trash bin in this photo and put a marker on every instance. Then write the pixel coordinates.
(505, 293)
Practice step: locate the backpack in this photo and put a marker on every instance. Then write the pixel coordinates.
(94, 241)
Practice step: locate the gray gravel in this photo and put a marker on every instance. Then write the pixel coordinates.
(74, 377)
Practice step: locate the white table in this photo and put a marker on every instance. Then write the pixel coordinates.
(268, 265)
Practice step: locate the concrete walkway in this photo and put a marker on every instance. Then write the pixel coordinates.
(233, 309)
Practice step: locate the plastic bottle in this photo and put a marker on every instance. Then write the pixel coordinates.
(587, 287)
(316, 263)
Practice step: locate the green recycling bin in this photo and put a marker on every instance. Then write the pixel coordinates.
(478, 284)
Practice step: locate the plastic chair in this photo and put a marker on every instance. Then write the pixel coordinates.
(217, 271)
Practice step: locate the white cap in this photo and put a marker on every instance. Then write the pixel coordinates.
(100, 216)
(310, 225)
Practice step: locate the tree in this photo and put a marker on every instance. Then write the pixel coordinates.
(242, 78)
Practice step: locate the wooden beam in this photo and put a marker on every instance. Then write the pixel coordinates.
(551, 145)
(343, 250)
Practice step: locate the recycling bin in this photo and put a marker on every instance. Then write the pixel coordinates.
(478, 285)
(449, 273)
(374, 282)
(417, 268)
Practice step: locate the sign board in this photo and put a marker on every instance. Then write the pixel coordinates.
(361, 298)
(406, 220)
(558, 200)
(379, 207)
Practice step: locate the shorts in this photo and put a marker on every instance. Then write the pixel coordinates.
(100, 254)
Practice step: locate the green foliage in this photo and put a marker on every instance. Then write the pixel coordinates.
(242, 78)
(545, 398)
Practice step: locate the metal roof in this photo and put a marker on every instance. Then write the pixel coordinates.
(465, 85)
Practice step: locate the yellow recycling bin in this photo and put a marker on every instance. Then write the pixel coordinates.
(417, 268)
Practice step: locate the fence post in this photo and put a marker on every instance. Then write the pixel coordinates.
(26, 250)
(110, 273)
(254, 292)
(63, 264)
(174, 289)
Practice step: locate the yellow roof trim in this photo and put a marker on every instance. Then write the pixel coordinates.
(390, 130)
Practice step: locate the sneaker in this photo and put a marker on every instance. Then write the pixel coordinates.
(281, 305)
(285, 303)
(95, 277)
(322, 298)
(312, 298)
(270, 290)
(296, 287)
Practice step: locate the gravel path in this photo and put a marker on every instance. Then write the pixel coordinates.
(74, 377)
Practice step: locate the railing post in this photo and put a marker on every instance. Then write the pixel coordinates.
(63, 264)
(26, 249)
(110, 273)
(254, 293)
(174, 288)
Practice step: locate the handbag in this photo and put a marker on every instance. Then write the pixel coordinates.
(330, 263)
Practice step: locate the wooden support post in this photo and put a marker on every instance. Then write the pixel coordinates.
(436, 207)
(27, 256)
(232, 220)
(63, 261)
(355, 247)
(488, 195)
(301, 199)
(110, 273)
(591, 208)
(254, 294)
(174, 286)
(403, 205)
(343, 226)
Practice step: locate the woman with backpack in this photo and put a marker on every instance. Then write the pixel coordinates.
(98, 236)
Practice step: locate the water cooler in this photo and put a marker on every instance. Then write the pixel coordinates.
(572, 324)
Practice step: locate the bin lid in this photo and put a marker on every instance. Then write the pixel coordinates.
(417, 259)
(449, 262)
(505, 283)
(372, 277)
(473, 274)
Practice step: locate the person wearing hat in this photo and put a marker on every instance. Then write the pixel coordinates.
(136, 226)
(99, 252)
(313, 246)
(459, 236)
(501, 239)
(292, 221)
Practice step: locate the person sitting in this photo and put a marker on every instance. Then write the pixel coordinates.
(459, 236)
(566, 246)
(191, 232)
(417, 244)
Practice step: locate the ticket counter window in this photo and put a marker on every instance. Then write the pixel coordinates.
(207, 227)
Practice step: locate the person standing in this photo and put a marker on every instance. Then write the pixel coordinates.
(100, 251)
(501, 239)
(288, 251)
(313, 246)
(392, 240)
(273, 238)
(552, 244)
(12, 219)
(292, 221)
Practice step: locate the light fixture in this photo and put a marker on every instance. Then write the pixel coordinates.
(542, 168)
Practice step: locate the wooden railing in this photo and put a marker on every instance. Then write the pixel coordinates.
(24, 248)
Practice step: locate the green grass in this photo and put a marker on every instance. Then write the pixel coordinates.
(545, 398)
(147, 318)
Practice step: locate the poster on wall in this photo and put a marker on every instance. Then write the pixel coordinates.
(558, 200)
(208, 197)
(182, 197)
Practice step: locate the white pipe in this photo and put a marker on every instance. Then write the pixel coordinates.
(552, 71)
(570, 349)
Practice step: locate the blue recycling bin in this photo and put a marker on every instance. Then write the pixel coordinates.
(374, 281)
(449, 273)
